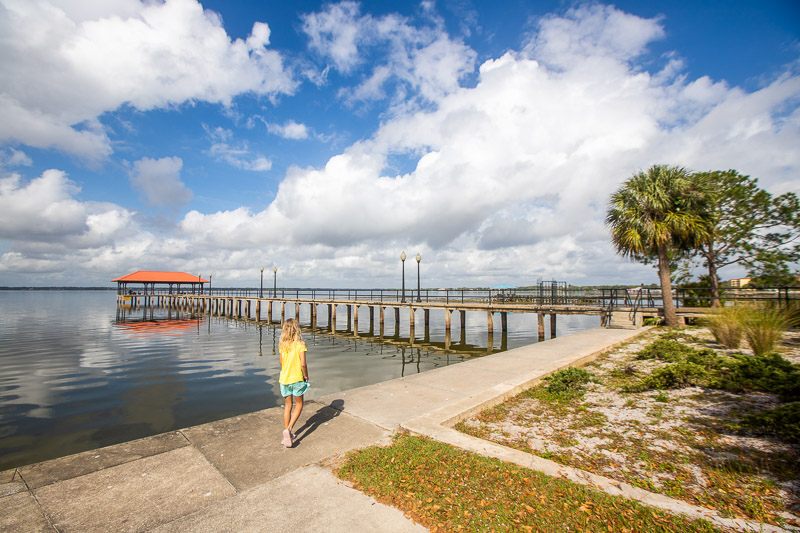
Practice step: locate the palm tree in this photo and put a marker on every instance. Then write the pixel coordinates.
(653, 213)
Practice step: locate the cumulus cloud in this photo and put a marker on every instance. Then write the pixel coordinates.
(55, 236)
(508, 179)
(41, 210)
(66, 63)
(159, 181)
(423, 61)
(518, 169)
(51, 237)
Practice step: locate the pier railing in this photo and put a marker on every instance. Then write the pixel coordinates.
(604, 298)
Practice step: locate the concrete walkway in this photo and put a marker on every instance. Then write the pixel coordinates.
(234, 475)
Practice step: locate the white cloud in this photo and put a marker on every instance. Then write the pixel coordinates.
(237, 155)
(513, 176)
(159, 181)
(507, 180)
(14, 158)
(40, 210)
(44, 215)
(336, 33)
(66, 63)
(423, 60)
(289, 130)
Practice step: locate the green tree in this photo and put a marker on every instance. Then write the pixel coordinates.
(654, 212)
(772, 272)
(747, 225)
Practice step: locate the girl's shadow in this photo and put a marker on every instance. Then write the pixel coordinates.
(323, 415)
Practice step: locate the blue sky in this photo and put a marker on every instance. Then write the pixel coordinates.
(324, 138)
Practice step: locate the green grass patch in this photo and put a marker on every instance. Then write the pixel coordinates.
(448, 489)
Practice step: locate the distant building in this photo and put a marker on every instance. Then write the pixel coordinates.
(738, 282)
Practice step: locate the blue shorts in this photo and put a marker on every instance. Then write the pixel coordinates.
(297, 388)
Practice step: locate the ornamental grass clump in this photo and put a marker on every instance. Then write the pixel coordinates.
(763, 327)
(726, 326)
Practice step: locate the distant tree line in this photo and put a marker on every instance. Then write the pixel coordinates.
(674, 218)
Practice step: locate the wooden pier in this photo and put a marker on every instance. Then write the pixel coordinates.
(270, 308)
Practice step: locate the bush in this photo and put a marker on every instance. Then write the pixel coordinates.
(674, 376)
(681, 335)
(726, 326)
(707, 358)
(772, 373)
(665, 350)
(569, 381)
(783, 421)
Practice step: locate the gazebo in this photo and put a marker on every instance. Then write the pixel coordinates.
(151, 278)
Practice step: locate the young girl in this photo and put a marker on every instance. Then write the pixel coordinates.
(294, 377)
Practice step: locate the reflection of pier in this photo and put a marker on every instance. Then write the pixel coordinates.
(143, 319)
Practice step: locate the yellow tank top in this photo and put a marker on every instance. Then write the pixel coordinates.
(291, 372)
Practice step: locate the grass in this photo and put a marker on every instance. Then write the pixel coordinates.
(448, 489)
(726, 326)
(735, 458)
(762, 326)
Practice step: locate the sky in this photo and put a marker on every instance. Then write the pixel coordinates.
(323, 139)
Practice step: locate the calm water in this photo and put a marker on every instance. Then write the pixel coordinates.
(76, 373)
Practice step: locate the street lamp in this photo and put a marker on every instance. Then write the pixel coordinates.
(200, 283)
(418, 258)
(209, 284)
(274, 282)
(261, 289)
(403, 259)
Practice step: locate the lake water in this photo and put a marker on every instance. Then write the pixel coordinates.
(77, 373)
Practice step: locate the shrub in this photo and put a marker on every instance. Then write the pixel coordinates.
(680, 335)
(707, 358)
(771, 373)
(568, 381)
(783, 421)
(726, 326)
(674, 376)
(665, 350)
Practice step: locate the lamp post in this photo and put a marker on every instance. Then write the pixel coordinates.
(418, 258)
(200, 283)
(209, 284)
(261, 289)
(274, 282)
(403, 259)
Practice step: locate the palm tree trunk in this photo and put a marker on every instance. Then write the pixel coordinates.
(670, 315)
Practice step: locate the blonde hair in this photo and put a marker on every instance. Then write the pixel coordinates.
(290, 333)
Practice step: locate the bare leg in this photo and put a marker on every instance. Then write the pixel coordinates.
(298, 408)
(287, 411)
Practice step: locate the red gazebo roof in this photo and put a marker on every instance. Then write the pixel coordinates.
(157, 276)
